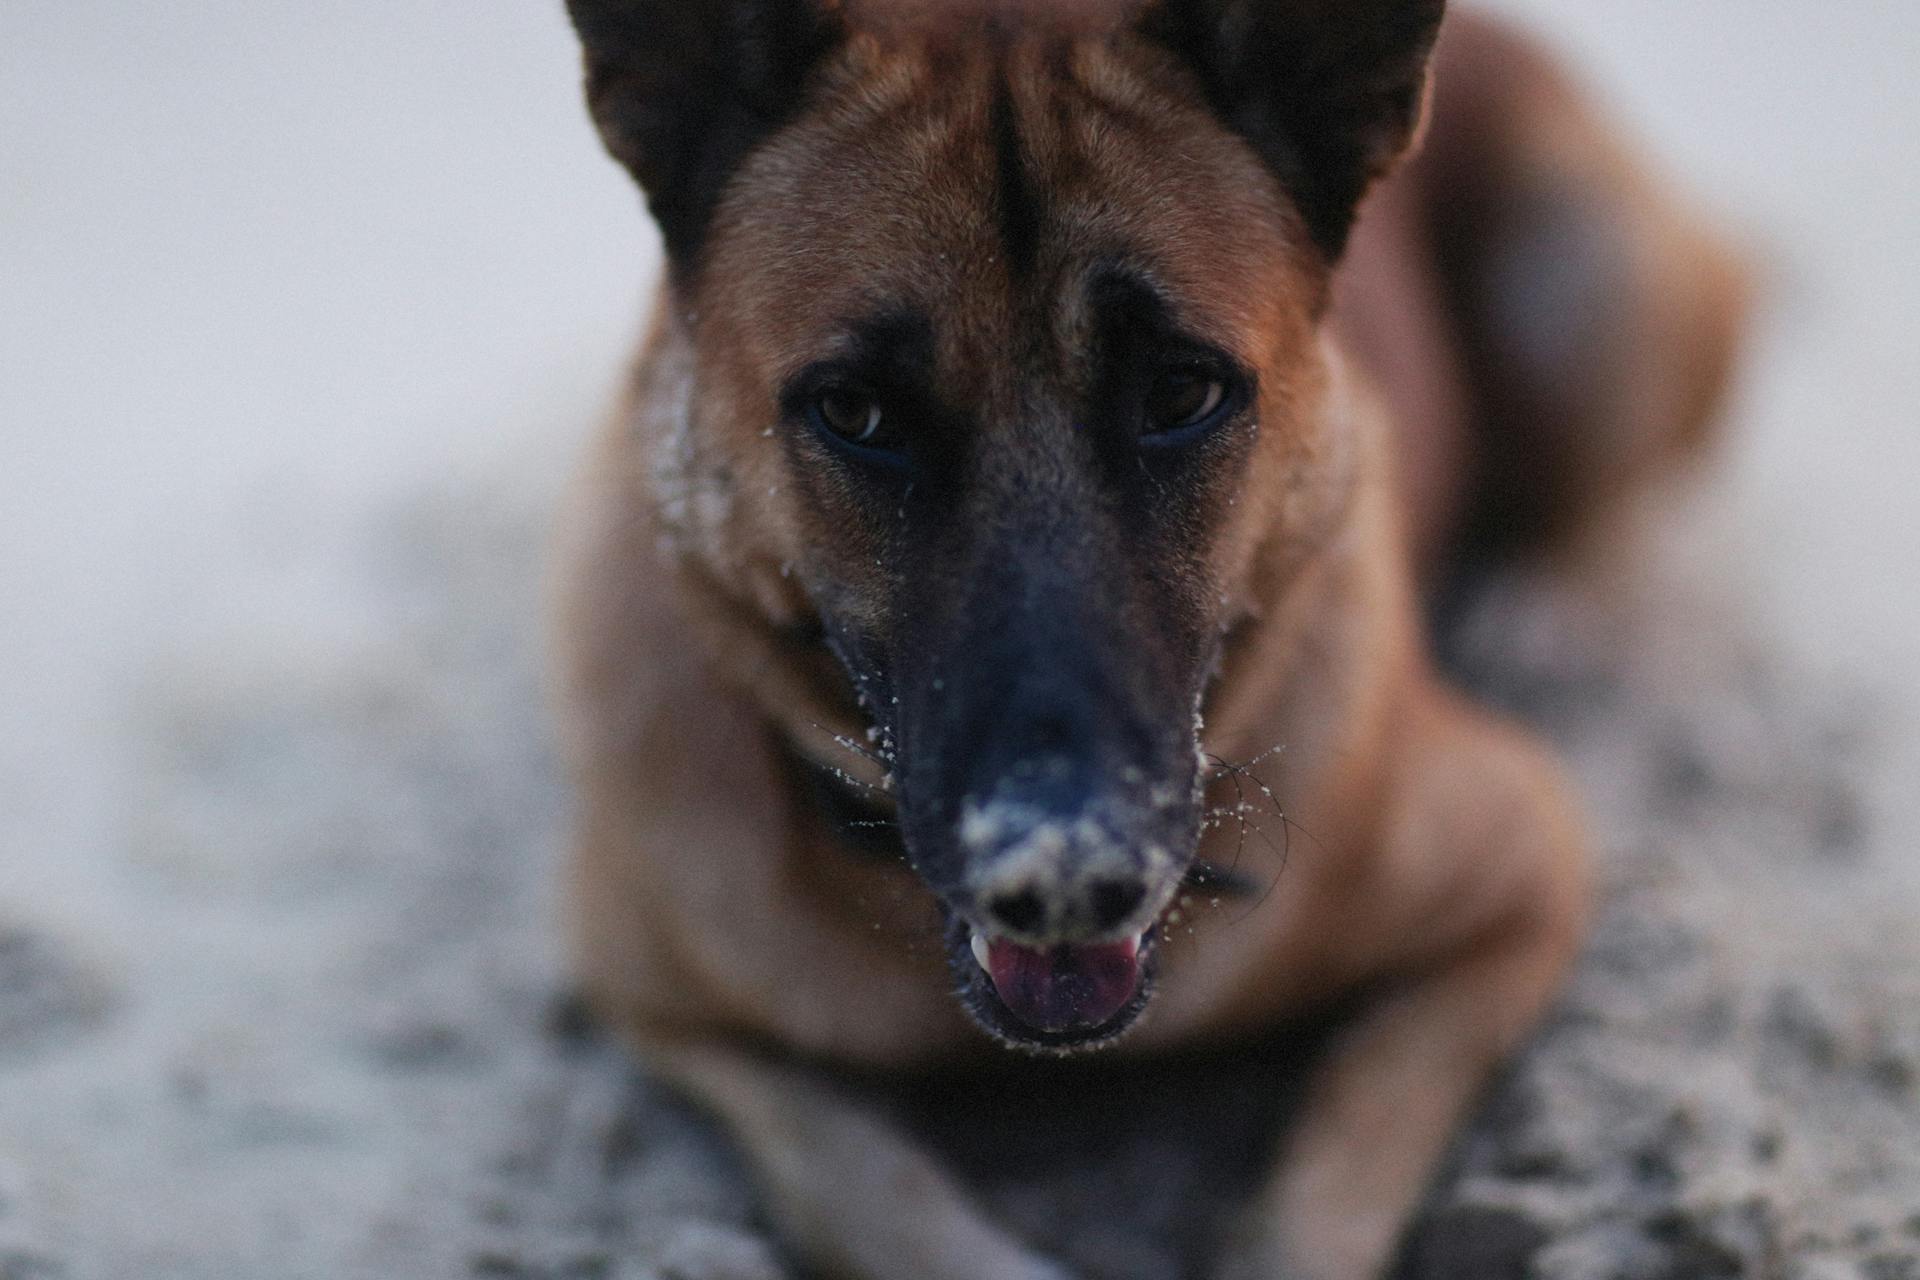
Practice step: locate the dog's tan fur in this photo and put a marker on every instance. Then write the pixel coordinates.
(720, 926)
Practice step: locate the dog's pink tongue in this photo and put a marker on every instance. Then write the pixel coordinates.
(1061, 988)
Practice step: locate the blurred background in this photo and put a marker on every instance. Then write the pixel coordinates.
(305, 313)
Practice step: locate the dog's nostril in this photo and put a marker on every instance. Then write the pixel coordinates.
(1021, 912)
(1115, 900)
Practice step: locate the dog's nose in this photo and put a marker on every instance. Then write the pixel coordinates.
(1108, 905)
(1102, 907)
(1045, 877)
(1061, 911)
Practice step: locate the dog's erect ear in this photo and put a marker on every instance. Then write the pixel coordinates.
(1328, 91)
(682, 89)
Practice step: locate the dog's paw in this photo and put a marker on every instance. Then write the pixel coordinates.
(708, 1251)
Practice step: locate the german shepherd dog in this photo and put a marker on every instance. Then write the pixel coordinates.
(1032, 441)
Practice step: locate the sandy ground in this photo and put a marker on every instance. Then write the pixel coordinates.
(304, 312)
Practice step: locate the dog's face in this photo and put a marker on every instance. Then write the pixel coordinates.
(1005, 324)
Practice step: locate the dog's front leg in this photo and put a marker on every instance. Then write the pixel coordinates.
(1481, 821)
(854, 1196)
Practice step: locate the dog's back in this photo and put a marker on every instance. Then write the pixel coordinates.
(1550, 324)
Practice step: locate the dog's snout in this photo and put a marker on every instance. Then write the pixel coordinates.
(1046, 776)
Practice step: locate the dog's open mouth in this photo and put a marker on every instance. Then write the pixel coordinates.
(1055, 998)
(1079, 996)
(1061, 988)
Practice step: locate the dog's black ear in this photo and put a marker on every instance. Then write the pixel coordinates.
(1330, 92)
(682, 90)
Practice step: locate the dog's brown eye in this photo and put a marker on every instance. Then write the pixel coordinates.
(1183, 399)
(852, 415)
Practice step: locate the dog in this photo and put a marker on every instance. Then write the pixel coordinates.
(1035, 436)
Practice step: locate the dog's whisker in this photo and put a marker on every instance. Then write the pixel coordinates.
(1235, 812)
(1206, 877)
(1237, 772)
(1246, 813)
(1242, 808)
(1282, 851)
(1239, 813)
(857, 783)
(1223, 766)
(851, 747)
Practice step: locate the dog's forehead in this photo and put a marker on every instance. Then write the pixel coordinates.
(980, 182)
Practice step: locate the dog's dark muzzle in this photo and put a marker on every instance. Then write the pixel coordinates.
(1046, 771)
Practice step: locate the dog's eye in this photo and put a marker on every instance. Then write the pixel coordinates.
(1181, 398)
(854, 416)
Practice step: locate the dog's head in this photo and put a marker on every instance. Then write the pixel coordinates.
(1001, 324)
